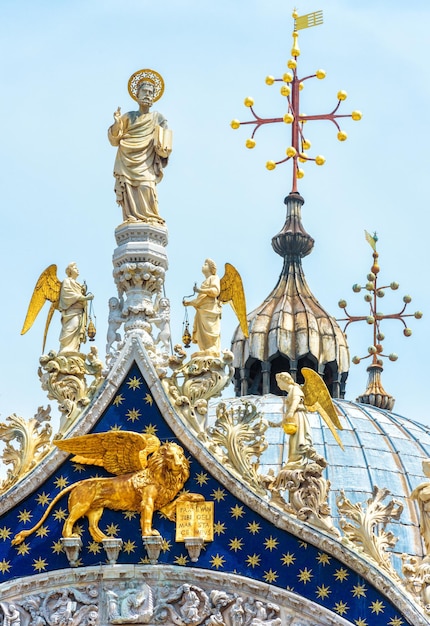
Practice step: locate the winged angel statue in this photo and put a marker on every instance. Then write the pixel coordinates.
(312, 396)
(69, 297)
(148, 477)
(212, 293)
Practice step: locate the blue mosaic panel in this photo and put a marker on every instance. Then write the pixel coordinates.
(245, 543)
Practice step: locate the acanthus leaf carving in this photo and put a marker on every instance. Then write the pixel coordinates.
(33, 437)
(367, 529)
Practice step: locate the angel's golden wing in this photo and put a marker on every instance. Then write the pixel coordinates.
(118, 451)
(48, 287)
(232, 291)
(317, 398)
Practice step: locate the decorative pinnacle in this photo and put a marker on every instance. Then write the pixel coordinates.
(374, 319)
(292, 85)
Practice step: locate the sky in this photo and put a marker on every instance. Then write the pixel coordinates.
(65, 68)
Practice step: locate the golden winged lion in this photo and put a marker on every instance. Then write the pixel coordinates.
(312, 396)
(148, 477)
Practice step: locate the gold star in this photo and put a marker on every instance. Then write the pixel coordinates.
(24, 516)
(112, 530)
(360, 622)
(59, 514)
(4, 566)
(236, 544)
(132, 415)
(78, 529)
(115, 428)
(94, 547)
(166, 545)
(217, 561)
(218, 494)
(288, 559)
(395, 621)
(43, 499)
(42, 531)
(23, 549)
(5, 533)
(341, 607)
(39, 564)
(237, 511)
(57, 547)
(149, 399)
(270, 543)
(78, 467)
(144, 560)
(202, 478)
(219, 528)
(305, 575)
(181, 560)
(253, 560)
(323, 592)
(341, 574)
(377, 607)
(61, 482)
(359, 591)
(303, 544)
(150, 429)
(129, 514)
(270, 576)
(134, 383)
(129, 546)
(253, 528)
(119, 399)
(323, 559)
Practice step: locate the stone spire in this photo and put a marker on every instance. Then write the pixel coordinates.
(290, 329)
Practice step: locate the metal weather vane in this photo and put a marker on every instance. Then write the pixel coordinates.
(292, 85)
(374, 319)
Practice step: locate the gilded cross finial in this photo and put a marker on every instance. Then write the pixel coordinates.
(375, 317)
(290, 89)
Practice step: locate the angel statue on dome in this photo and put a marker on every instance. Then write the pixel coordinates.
(144, 144)
(312, 396)
(212, 293)
(70, 298)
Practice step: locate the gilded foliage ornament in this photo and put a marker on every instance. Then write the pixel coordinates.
(34, 442)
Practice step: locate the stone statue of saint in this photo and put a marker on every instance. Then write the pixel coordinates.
(144, 145)
(207, 320)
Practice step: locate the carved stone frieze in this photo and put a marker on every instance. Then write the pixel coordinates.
(64, 377)
(67, 606)
(366, 530)
(33, 442)
(137, 595)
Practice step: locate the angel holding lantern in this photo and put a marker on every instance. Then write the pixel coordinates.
(212, 293)
(70, 298)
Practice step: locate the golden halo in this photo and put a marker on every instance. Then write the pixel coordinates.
(149, 76)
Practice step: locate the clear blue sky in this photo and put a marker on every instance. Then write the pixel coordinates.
(65, 67)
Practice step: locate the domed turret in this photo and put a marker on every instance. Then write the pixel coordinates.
(290, 329)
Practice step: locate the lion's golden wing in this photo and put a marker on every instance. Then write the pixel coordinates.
(317, 398)
(232, 291)
(47, 288)
(119, 452)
